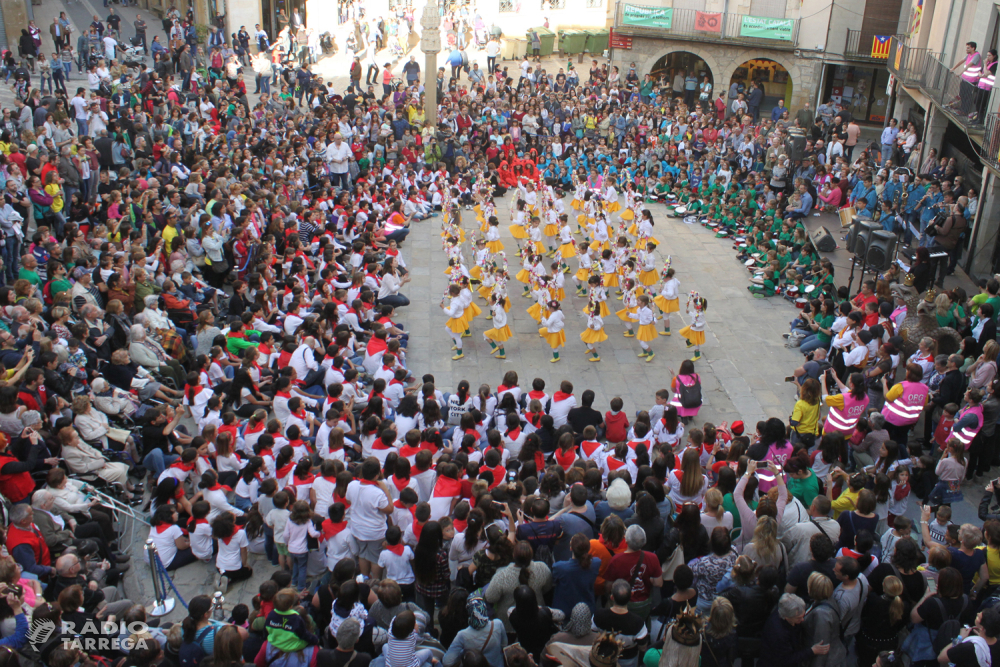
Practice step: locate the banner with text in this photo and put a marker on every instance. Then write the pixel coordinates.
(754, 26)
(649, 17)
(708, 21)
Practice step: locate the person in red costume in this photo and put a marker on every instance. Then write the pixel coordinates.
(508, 178)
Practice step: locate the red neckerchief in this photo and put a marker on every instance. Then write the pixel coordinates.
(417, 528)
(406, 451)
(590, 446)
(251, 429)
(614, 464)
(400, 483)
(460, 525)
(396, 548)
(180, 465)
(163, 527)
(284, 470)
(514, 433)
(395, 381)
(229, 539)
(283, 394)
(331, 529)
(536, 395)
(219, 487)
(534, 418)
(369, 482)
(308, 479)
(561, 396)
(341, 499)
(379, 445)
(446, 487)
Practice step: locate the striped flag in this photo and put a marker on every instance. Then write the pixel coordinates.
(880, 46)
(915, 17)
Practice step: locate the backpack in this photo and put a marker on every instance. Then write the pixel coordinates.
(690, 397)
(191, 654)
(950, 628)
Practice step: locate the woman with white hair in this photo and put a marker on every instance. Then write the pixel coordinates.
(786, 644)
(82, 459)
(111, 400)
(93, 426)
(149, 354)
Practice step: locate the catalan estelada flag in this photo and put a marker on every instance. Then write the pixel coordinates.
(880, 46)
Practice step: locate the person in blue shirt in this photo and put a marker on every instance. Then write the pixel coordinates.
(777, 111)
(804, 208)
(928, 206)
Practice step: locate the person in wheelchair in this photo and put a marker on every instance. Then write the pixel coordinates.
(82, 459)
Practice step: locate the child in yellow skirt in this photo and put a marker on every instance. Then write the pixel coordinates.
(487, 282)
(551, 229)
(621, 253)
(500, 333)
(585, 260)
(471, 310)
(645, 230)
(628, 215)
(668, 300)
(535, 236)
(493, 235)
(579, 193)
(455, 323)
(567, 246)
(647, 327)
(601, 233)
(598, 295)
(594, 333)
(695, 332)
(647, 261)
(552, 329)
(589, 212)
(519, 217)
(531, 271)
(558, 283)
(482, 258)
(609, 268)
(611, 204)
(631, 305)
(542, 295)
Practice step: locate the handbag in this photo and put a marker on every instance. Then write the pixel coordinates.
(676, 559)
(222, 266)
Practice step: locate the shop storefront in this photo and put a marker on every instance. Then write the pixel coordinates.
(770, 74)
(861, 89)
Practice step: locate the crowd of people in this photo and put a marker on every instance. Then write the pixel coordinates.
(202, 317)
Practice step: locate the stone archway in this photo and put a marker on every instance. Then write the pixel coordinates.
(799, 92)
(646, 52)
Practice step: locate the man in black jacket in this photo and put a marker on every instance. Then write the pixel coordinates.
(585, 415)
(785, 636)
(56, 382)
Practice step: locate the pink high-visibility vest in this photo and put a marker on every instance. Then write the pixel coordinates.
(966, 435)
(906, 409)
(844, 420)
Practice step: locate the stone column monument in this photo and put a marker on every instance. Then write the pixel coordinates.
(430, 44)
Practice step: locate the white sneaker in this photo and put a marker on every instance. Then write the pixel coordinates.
(223, 584)
(218, 580)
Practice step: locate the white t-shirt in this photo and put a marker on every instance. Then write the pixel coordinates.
(398, 567)
(164, 542)
(367, 521)
(560, 410)
(201, 540)
(229, 558)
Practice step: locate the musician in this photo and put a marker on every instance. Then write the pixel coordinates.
(929, 205)
(947, 235)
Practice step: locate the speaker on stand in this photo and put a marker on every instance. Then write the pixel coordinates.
(881, 250)
(823, 240)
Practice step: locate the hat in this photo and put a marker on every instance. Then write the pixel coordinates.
(737, 428)
(619, 496)
(478, 615)
(32, 148)
(79, 272)
(605, 651)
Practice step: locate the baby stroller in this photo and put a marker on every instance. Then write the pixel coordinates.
(132, 56)
(326, 43)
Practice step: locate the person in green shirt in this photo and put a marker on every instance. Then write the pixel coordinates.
(236, 340)
(766, 288)
(29, 270)
(59, 282)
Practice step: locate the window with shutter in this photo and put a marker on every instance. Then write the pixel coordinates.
(774, 9)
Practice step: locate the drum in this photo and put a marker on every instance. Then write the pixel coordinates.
(741, 239)
(793, 289)
(749, 262)
(681, 211)
(810, 289)
(743, 245)
(690, 219)
(801, 303)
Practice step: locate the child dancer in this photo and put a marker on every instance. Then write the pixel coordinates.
(598, 295)
(609, 269)
(647, 261)
(594, 333)
(668, 300)
(558, 282)
(567, 246)
(500, 333)
(519, 218)
(481, 258)
(647, 327)
(472, 309)
(645, 230)
(695, 332)
(493, 242)
(585, 260)
(551, 230)
(535, 236)
(631, 305)
(455, 323)
(540, 292)
(552, 329)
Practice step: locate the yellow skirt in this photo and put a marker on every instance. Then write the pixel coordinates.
(567, 250)
(485, 291)
(523, 276)
(517, 231)
(591, 336)
(476, 272)
(629, 214)
(640, 244)
(560, 294)
(581, 219)
(476, 310)
(538, 246)
(576, 205)
(601, 247)
(536, 312)
(495, 246)
(455, 325)
(649, 277)
(612, 207)
(696, 337)
(646, 333)
(624, 313)
(605, 311)
(611, 280)
(461, 235)
(583, 275)
(499, 335)
(633, 229)
(667, 305)
(483, 226)
(550, 230)
(557, 339)
(478, 208)
(506, 306)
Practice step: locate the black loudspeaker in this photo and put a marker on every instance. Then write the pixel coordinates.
(863, 237)
(796, 147)
(823, 240)
(881, 248)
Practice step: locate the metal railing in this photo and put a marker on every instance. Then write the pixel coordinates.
(725, 28)
(964, 101)
(991, 140)
(861, 49)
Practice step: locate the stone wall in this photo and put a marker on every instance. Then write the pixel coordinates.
(723, 60)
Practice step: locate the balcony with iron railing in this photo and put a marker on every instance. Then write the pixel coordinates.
(723, 28)
(965, 103)
(861, 45)
(990, 152)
